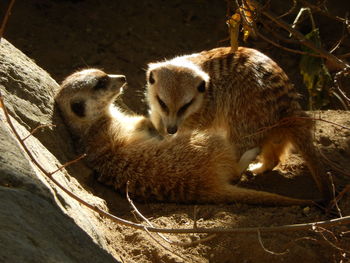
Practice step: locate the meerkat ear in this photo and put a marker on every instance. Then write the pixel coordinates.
(151, 79)
(201, 87)
(78, 108)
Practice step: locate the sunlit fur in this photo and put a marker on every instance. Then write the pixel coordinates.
(247, 96)
(192, 167)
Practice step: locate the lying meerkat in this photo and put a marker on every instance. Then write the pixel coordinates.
(245, 95)
(193, 167)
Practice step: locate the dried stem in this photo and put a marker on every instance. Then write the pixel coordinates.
(334, 201)
(141, 215)
(291, 10)
(6, 17)
(68, 163)
(324, 53)
(269, 251)
(286, 48)
(288, 120)
(321, 231)
(318, 9)
(333, 165)
(267, 27)
(337, 76)
(343, 192)
(36, 129)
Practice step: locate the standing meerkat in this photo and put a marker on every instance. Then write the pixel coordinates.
(193, 167)
(244, 95)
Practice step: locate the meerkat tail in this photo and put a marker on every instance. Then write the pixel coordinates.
(232, 193)
(304, 144)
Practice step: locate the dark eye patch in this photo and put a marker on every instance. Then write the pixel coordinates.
(201, 87)
(184, 108)
(162, 105)
(102, 83)
(78, 108)
(151, 79)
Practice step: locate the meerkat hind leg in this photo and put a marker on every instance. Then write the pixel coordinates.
(274, 150)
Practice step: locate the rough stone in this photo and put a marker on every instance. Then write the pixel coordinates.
(39, 222)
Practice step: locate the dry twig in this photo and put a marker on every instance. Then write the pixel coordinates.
(288, 120)
(322, 230)
(36, 129)
(269, 251)
(6, 17)
(335, 201)
(322, 52)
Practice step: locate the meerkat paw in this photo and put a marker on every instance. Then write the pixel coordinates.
(247, 158)
(256, 168)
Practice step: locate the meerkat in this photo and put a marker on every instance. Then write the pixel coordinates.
(244, 95)
(194, 167)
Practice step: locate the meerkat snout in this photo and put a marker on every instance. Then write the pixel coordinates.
(117, 81)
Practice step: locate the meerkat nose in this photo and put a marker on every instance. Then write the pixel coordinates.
(122, 78)
(172, 129)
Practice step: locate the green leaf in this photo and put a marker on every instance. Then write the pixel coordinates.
(317, 78)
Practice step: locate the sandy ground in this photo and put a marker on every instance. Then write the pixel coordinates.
(122, 37)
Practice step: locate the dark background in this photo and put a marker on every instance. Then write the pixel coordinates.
(122, 36)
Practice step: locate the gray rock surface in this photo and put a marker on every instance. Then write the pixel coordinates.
(38, 221)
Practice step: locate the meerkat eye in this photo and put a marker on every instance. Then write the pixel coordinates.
(184, 108)
(201, 87)
(78, 108)
(102, 83)
(151, 78)
(162, 105)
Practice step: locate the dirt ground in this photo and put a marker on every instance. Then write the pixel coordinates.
(122, 37)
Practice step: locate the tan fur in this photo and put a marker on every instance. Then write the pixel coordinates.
(246, 93)
(193, 167)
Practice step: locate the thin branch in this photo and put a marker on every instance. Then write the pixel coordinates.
(268, 27)
(68, 163)
(342, 102)
(341, 64)
(320, 230)
(141, 215)
(346, 55)
(291, 10)
(36, 129)
(183, 244)
(340, 196)
(269, 251)
(288, 120)
(6, 17)
(318, 9)
(337, 45)
(337, 76)
(334, 201)
(343, 192)
(333, 165)
(286, 48)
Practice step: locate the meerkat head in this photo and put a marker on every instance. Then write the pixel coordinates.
(175, 90)
(88, 95)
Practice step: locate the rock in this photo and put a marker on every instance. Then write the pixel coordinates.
(39, 222)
